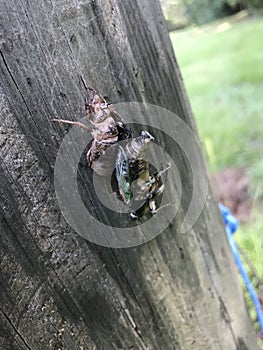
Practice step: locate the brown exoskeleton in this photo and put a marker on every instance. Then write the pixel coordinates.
(107, 128)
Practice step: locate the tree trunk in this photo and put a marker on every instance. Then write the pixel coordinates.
(58, 290)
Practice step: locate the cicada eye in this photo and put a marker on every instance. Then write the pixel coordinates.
(146, 135)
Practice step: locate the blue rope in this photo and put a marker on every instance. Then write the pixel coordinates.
(231, 225)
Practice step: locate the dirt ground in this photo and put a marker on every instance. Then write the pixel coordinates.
(231, 187)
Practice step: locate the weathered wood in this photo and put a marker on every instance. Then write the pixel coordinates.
(59, 291)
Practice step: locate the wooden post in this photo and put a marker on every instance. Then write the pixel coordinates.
(57, 290)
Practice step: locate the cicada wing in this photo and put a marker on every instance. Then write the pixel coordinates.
(123, 176)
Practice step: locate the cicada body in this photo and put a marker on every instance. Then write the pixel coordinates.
(131, 166)
(137, 187)
(151, 190)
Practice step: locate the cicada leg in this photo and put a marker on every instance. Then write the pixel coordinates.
(81, 125)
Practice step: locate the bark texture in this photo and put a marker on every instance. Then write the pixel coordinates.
(57, 290)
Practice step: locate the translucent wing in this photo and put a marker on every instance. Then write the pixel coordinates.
(123, 175)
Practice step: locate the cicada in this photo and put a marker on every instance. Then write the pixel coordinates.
(137, 186)
(135, 182)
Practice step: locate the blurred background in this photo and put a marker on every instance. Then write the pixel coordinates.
(219, 47)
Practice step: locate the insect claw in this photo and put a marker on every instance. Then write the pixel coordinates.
(161, 172)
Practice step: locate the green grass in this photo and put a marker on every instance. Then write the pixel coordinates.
(222, 67)
(249, 237)
(246, 238)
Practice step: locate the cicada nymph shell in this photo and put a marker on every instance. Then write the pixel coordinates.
(108, 129)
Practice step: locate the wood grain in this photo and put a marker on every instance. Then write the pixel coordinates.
(57, 290)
